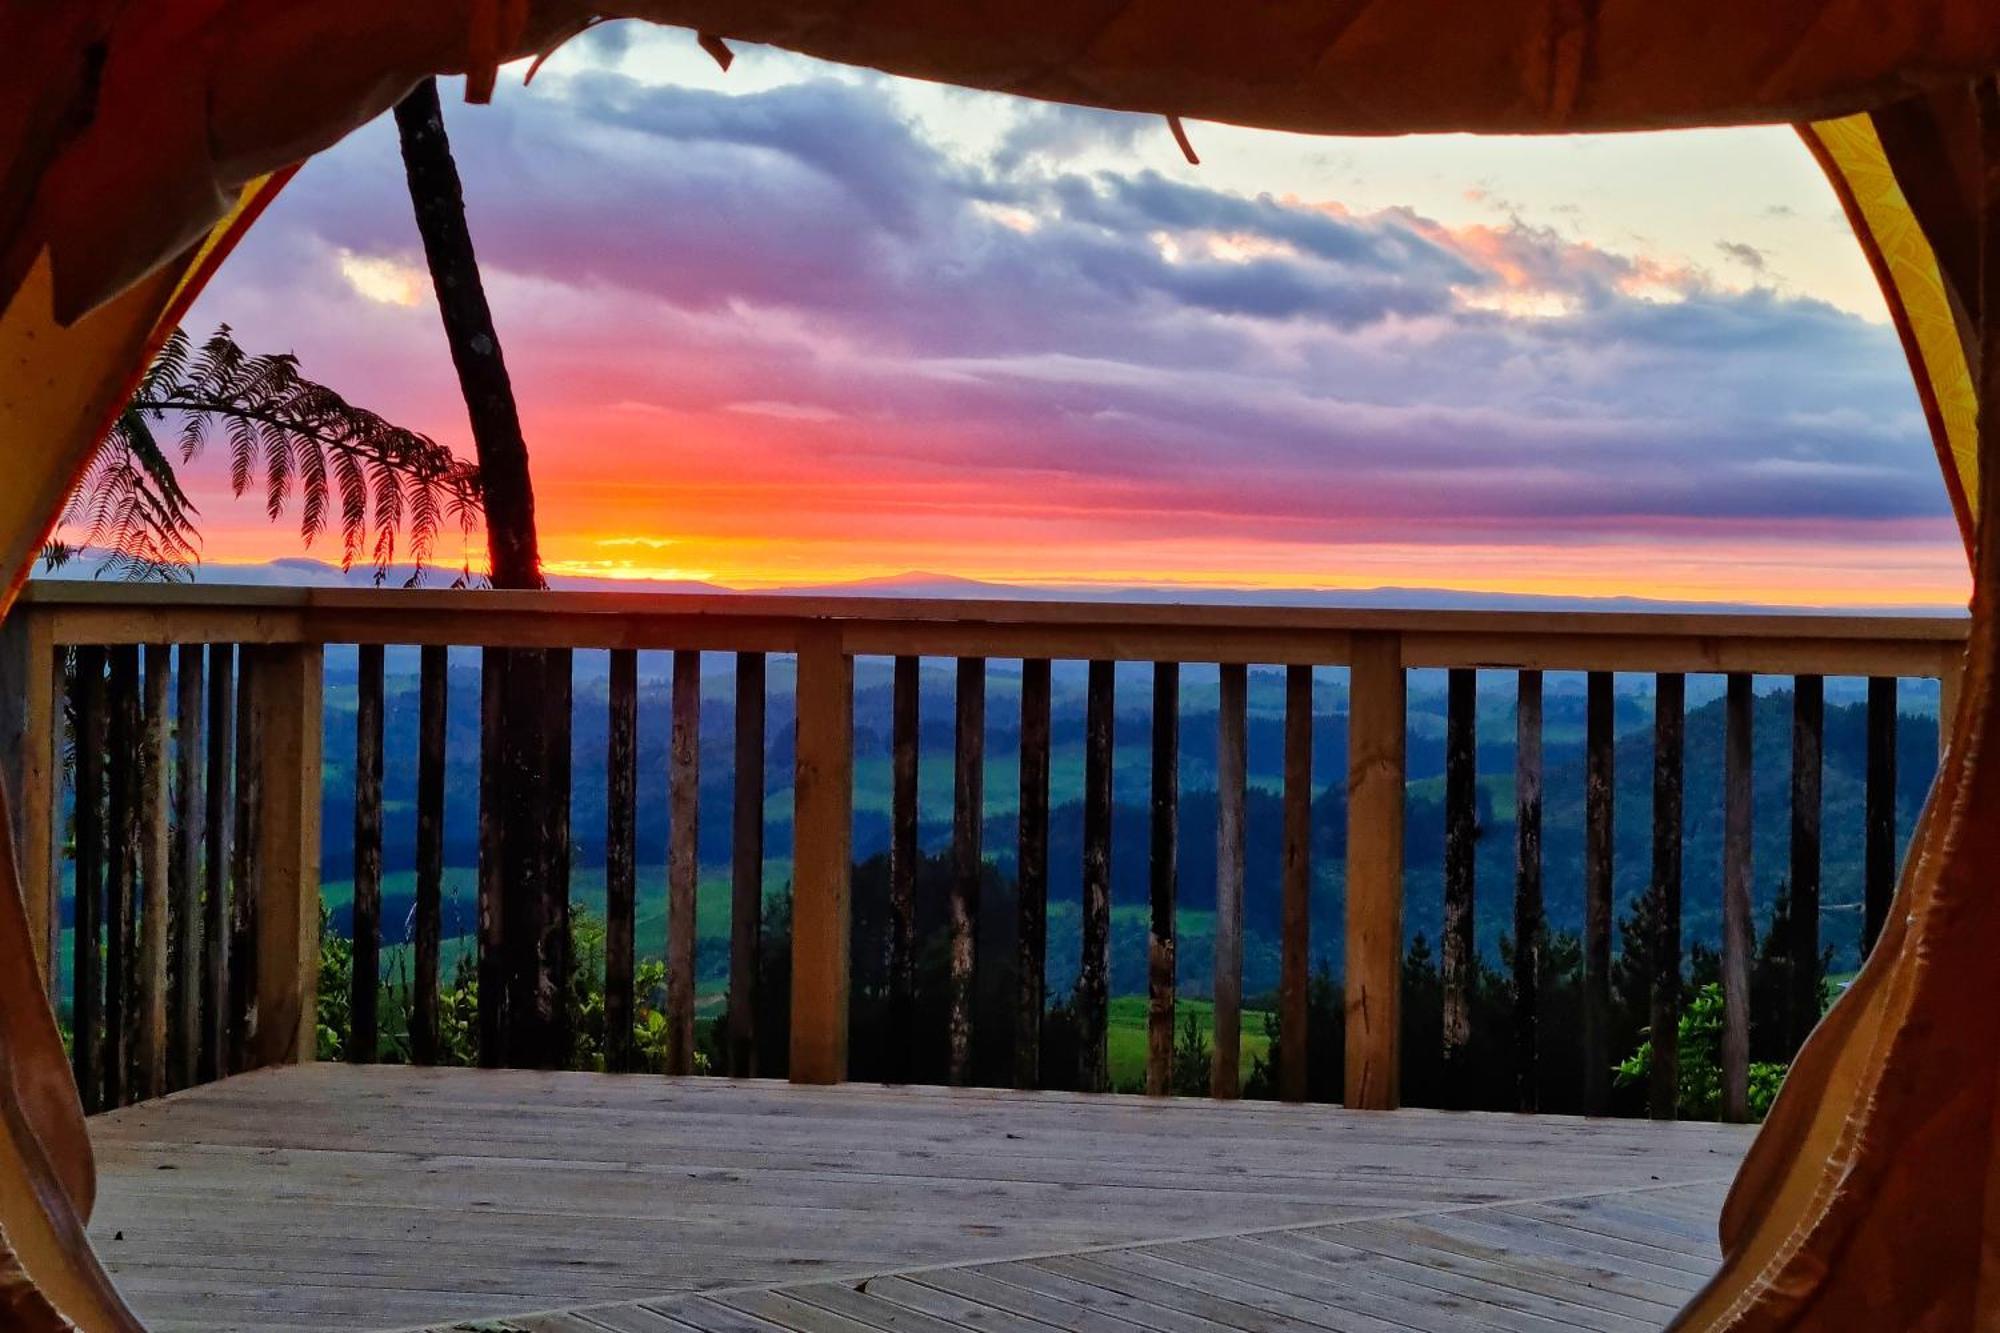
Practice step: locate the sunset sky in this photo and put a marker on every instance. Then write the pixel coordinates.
(798, 324)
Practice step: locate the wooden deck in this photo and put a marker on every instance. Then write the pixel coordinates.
(333, 1198)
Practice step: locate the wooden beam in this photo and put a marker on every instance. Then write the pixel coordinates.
(287, 738)
(1951, 676)
(491, 928)
(1093, 982)
(968, 817)
(1669, 733)
(1377, 722)
(87, 967)
(683, 859)
(1163, 879)
(822, 822)
(1032, 865)
(30, 728)
(217, 866)
(1530, 925)
(1879, 853)
(1459, 964)
(1295, 964)
(558, 708)
(1231, 780)
(1737, 927)
(746, 866)
(184, 925)
(621, 850)
(905, 744)
(365, 980)
(155, 845)
(1808, 747)
(1600, 745)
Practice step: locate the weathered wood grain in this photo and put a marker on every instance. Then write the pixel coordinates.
(121, 874)
(1808, 747)
(904, 854)
(1736, 908)
(1459, 961)
(822, 823)
(1295, 962)
(88, 697)
(683, 859)
(621, 850)
(1600, 745)
(1032, 866)
(1530, 924)
(1377, 707)
(364, 985)
(433, 702)
(155, 899)
(1231, 774)
(184, 937)
(968, 821)
(219, 864)
(1879, 851)
(1669, 737)
(1093, 985)
(1163, 878)
(746, 865)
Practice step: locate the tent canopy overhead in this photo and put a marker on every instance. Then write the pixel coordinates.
(140, 137)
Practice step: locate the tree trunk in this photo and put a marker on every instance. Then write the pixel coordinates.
(528, 744)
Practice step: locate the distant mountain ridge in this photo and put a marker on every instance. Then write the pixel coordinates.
(306, 572)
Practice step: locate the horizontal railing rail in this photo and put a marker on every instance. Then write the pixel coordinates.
(196, 785)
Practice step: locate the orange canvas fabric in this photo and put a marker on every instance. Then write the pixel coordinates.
(1871, 1198)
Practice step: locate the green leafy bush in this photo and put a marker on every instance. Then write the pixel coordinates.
(1699, 1096)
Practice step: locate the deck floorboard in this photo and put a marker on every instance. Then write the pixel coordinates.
(342, 1199)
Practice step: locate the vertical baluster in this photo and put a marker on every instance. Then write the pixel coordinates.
(1736, 928)
(1296, 962)
(1879, 859)
(218, 863)
(1951, 675)
(493, 977)
(621, 845)
(1163, 879)
(1808, 735)
(1231, 775)
(1529, 927)
(1032, 864)
(903, 858)
(432, 702)
(1669, 729)
(245, 869)
(746, 856)
(1600, 744)
(1376, 754)
(86, 1004)
(1459, 962)
(558, 708)
(185, 938)
(967, 816)
(154, 846)
(121, 873)
(1093, 977)
(683, 861)
(364, 981)
(823, 824)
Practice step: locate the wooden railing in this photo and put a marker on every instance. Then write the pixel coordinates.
(195, 841)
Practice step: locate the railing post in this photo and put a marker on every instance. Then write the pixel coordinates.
(1808, 749)
(822, 824)
(286, 680)
(1879, 854)
(1375, 775)
(1032, 861)
(1951, 674)
(28, 738)
(683, 857)
(1296, 961)
(968, 814)
(903, 857)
